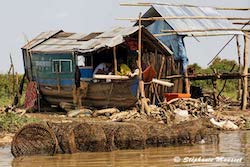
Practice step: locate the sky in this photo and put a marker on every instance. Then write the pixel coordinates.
(25, 19)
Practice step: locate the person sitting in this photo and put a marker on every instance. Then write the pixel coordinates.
(124, 70)
(103, 68)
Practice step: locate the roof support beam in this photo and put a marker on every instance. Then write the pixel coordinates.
(203, 30)
(185, 17)
(179, 5)
(193, 35)
(242, 23)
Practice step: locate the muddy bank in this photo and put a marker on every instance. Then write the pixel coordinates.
(6, 138)
(181, 122)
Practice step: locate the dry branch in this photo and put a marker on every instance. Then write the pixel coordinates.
(107, 112)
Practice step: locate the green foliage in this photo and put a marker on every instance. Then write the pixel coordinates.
(6, 88)
(220, 66)
(11, 122)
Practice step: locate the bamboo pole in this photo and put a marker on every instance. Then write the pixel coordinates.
(185, 17)
(240, 69)
(112, 77)
(204, 30)
(242, 23)
(193, 35)
(245, 73)
(115, 60)
(179, 5)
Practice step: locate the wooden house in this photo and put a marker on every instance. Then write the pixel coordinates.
(62, 65)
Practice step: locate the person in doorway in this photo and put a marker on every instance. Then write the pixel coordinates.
(77, 77)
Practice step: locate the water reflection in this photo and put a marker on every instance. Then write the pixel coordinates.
(232, 144)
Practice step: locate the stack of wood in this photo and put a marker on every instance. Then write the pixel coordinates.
(194, 106)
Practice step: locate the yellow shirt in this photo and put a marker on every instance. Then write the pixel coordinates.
(125, 70)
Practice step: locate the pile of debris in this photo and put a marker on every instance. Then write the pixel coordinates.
(12, 109)
(171, 113)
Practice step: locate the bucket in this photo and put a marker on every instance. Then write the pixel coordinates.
(170, 96)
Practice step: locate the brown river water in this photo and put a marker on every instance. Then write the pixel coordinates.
(233, 150)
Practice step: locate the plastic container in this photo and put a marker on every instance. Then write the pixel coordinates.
(170, 96)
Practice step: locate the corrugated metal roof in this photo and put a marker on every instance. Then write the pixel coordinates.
(109, 39)
(77, 36)
(40, 38)
(193, 24)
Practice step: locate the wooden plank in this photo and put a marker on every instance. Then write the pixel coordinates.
(245, 73)
(208, 76)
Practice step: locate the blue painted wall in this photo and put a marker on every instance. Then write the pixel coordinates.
(174, 42)
(42, 70)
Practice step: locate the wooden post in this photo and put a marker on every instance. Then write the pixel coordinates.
(187, 86)
(115, 60)
(139, 48)
(58, 79)
(161, 68)
(13, 76)
(17, 91)
(141, 89)
(214, 82)
(144, 104)
(160, 74)
(240, 69)
(245, 72)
